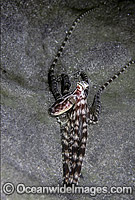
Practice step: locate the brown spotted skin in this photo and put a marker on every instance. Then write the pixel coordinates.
(65, 151)
(62, 106)
(79, 115)
(76, 130)
(75, 145)
(82, 141)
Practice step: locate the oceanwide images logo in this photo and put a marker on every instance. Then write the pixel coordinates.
(9, 188)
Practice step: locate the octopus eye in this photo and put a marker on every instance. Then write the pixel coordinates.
(78, 87)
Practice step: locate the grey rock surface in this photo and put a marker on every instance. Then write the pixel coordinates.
(102, 43)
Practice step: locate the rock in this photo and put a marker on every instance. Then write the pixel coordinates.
(103, 42)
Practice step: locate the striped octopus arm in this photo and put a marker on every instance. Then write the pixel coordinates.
(82, 132)
(94, 111)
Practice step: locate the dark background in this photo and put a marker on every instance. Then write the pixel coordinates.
(103, 42)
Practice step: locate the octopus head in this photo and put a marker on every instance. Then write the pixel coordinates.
(83, 86)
